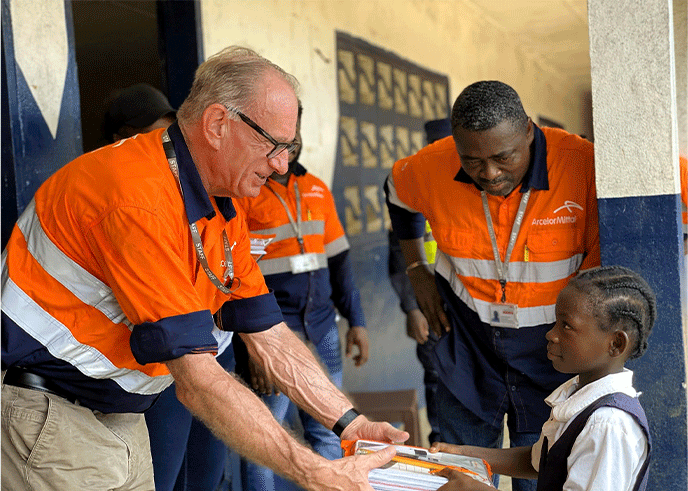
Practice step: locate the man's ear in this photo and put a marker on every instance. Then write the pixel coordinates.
(619, 343)
(214, 121)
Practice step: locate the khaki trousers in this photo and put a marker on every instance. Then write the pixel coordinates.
(49, 443)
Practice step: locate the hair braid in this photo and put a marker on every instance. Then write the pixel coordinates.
(624, 298)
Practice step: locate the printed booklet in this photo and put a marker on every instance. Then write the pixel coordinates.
(414, 468)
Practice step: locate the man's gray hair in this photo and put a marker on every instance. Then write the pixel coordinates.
(483, 105)
(228, 78)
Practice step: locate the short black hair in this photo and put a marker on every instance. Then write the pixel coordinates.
(483, 105)
(621, 298)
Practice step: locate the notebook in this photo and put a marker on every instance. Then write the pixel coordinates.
(414, 468)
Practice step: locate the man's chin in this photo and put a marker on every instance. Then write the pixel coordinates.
(253, 191)
(502, 189)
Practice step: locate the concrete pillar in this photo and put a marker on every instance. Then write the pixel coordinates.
(635, 118)
(681, 55)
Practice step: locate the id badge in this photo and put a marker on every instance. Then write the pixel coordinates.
(258, 245)
(504, 315)
(303, 263)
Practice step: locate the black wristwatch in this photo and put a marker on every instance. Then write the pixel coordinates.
(344, 421)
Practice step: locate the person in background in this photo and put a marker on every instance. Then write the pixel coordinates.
(303, 254)
(139, 108)
(130, 270)
(597, 436)
(417, 327)
(513, 209)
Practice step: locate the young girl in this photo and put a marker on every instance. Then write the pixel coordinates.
(603, 318)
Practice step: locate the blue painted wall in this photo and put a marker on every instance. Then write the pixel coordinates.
(644, 234)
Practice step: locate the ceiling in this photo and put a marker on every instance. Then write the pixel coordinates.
(553, 31)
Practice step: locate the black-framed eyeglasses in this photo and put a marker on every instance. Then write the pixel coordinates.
(279, 147)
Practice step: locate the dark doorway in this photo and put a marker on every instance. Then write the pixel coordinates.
(116, 45)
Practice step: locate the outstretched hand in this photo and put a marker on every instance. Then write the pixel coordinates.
(363, 429)
(351, 473)
(446, 448)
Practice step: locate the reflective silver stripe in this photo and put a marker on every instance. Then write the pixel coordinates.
(394, 197)
(54, 335)
(282, 264)
(519, 271)
(60, 342)
(337, 246)
(527, 316)
(86, 287)
(311, 227)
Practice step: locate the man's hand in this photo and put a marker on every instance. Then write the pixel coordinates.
(417, 326)
(357, 336)
(363, 429)
(429, 300)
(260, 382)
(351, 473)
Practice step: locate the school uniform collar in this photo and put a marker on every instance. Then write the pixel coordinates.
(569, 398)
(196, 200)
(536, 176)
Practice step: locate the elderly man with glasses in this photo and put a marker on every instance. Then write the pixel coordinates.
(130, 270)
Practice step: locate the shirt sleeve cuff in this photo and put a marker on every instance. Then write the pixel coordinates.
(173, 337)
(252, 314)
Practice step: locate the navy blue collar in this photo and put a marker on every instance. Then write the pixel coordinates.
(299, 170)
(536, 176)
(196, 200)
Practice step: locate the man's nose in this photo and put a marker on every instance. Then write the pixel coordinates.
(490, 171)
(280, 162)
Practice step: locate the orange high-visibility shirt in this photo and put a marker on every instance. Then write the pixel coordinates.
(492, 370)
(101, 282)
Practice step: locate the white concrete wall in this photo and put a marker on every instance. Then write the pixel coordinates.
(681, 55)
(445, 36)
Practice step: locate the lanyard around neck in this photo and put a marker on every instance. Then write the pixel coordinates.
(503, 267)
(168, 146)
(295, 224)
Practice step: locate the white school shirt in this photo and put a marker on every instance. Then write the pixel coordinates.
(611, 448)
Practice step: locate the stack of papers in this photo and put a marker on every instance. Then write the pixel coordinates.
(394, 480)
(413, 468)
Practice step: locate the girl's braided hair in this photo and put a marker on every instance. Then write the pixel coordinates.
(622, 299)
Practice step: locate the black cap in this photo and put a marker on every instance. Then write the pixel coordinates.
(437, 128)
(138, 106)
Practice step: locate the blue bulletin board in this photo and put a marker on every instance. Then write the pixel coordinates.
(384, 102)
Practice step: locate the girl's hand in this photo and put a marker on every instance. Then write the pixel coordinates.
(460, 481)
(446, 447)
